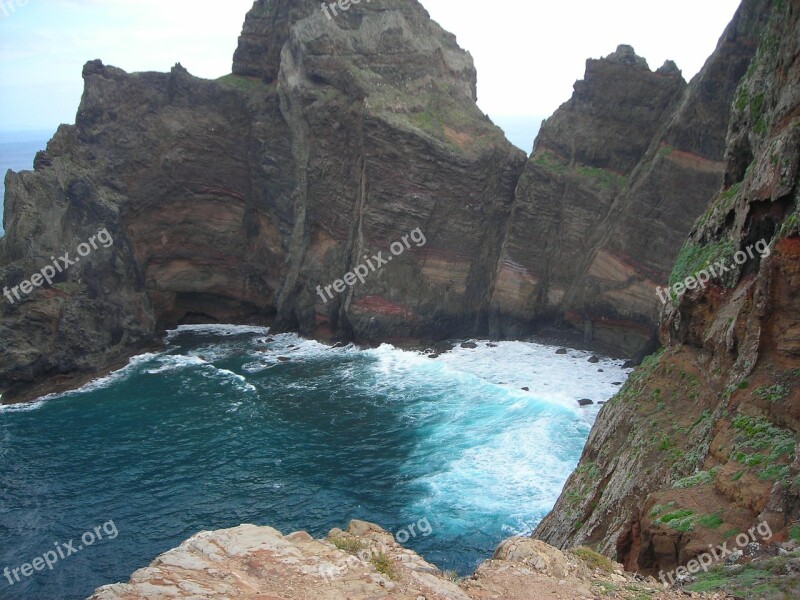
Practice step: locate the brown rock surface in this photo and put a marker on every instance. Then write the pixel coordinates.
(260, 563)
(617, 177)
(232, 200)
(702, 442)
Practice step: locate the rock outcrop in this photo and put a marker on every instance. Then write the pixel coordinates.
(702, 443)
(365, 563)
(256, 197)
(616, 179)
(232, 200)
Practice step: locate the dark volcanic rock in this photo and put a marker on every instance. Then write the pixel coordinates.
(594, 360)
(617, 178)
(585, 402)
(728, 376)
(239, 200)
(469, 345)
(232, 200)
(561, 351)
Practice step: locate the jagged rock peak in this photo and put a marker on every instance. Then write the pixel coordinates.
(336, 47)
(626, 55)
(669, 68)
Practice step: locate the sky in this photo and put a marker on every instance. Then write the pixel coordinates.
(528, 53)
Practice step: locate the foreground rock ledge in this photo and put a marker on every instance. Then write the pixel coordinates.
(260, 563)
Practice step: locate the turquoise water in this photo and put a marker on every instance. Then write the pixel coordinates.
(216, 431)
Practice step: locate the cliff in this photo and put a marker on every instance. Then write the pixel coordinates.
(702, 442)
(364, 563)
(260, 197)
(249, 198)
(233, 200)
(617, 177)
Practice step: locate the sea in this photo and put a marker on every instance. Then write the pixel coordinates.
(17, 151)
(232, 424)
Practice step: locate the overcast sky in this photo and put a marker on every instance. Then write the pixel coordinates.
(528, 52)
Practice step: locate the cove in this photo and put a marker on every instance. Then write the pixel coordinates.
(219, 429)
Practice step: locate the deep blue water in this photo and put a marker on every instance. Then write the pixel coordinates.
(17, 150)
(215, 431)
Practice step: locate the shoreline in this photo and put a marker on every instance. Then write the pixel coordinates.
(547, 336)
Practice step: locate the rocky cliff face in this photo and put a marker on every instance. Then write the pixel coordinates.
(232, 200)
(245, 199)
(702, 442)
(616, 179)
(365, 563)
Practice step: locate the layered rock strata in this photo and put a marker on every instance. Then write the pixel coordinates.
(702, 443)
(254, 198)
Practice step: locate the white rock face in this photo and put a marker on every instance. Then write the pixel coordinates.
(362, 563)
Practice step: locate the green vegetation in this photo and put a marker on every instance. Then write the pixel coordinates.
(383, 565)
(666, 150)
(684, 520)
(700, 478)
(549, 161)
(659, 508)
(760, 443)
(732, 191)
(773, 393)
(241, 82)
(588, 474)
(349, 545)
(593, 559)
(606, 588)
(693, 259)
(789, 225)
(794, 533)
(730, 533)
(774, 473)
(680, 520)
(769, 578)
(68, 287)
(639, 378)
(604, 178)
(710, 521)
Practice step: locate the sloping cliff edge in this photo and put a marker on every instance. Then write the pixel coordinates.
(261, 196)
(365, 563)
(702, 443)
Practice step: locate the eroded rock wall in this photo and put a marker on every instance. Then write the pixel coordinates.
(702, 442)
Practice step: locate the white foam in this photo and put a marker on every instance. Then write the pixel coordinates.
(96, 384)
(24, 407)
(214, 329)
